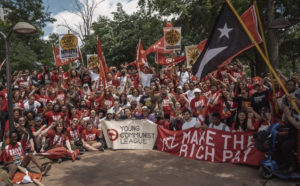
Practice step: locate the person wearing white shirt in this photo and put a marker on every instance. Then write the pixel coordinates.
(217, 124)
(184, 76)
(190, 122)
(32, 105)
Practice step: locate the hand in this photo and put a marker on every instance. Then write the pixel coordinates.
(54, 124)
(250, 115)
(250, 109)
(286, 110)
(16, 125)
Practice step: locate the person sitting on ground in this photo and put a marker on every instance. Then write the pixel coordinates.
(13, 155)
(90, 138)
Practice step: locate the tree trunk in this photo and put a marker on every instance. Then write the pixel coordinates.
(261, 66)
(272, 37)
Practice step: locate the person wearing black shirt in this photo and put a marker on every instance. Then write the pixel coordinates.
(146, 99)
(260, 98)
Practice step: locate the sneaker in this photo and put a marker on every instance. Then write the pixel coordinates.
(101, 149)
(45, 169)
(59, 160)
(5, 178)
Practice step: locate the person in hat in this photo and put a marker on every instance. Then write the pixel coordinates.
(145, 114)
(198, 105)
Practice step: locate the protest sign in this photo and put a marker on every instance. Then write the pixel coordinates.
(172, 38)
(68, 46)
(192, 53)
(210, 145)
(61, 62)
(92, 61)
(129, 134)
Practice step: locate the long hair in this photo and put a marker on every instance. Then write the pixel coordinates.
(238, 122)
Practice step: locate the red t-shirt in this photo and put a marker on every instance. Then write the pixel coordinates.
(167, 109)
(4, 105)
(74, 134)
(52, 116)
(90, 135)
(15, 152)
(42, 99)
(56, 139)
(198, 106)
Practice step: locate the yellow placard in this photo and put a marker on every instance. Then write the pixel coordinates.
(68, 42)
(93, 61)
(192, 53)
(172, 37)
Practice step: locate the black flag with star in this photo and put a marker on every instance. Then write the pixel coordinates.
(227, 39)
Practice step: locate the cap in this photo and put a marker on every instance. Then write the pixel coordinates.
(144, 107)
(37, 118)
(85, 85)
(179, 87)
(197, 90)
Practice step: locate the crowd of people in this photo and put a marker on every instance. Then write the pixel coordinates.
(65, 107)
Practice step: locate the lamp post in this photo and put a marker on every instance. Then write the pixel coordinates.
(19, 28)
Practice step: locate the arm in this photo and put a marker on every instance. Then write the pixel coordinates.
(44, 132)
(288, 116)
(38, 132)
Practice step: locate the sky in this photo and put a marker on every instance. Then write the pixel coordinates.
(62, 10)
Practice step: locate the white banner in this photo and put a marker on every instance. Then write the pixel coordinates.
(172, 38)
(129, 134)
(68, 46)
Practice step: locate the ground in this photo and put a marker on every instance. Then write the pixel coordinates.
(149, 167)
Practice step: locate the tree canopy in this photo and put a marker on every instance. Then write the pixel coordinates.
(120, 35)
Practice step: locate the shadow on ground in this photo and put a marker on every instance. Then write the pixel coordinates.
(146, 167)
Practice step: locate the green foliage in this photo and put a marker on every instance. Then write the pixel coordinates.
(30, 50)
(120, 36)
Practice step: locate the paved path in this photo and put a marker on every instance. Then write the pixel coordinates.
(146, 167)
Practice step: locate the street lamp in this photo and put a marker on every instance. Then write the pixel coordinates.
(19, 28)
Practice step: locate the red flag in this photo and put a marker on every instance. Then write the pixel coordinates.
(158, 46)
(168, 61)
(201, 45)
(61, 62)
(59, 152)
(141, 58)
(103, 69)
(101, 55)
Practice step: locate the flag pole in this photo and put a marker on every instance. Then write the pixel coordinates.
(266, 52)
(261, 53)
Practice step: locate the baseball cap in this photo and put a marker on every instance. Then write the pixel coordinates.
(144, 107)
(197, 90)
(37, 118)
(85, 85)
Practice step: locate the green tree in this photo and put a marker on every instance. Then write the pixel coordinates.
(26, 51)
(120, 36)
